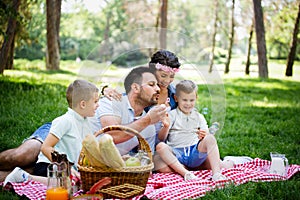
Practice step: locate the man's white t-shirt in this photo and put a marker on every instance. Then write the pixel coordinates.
(124, 110)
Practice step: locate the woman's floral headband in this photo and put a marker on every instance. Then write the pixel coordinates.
(166, 68)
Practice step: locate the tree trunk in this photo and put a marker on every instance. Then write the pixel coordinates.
(10, 57)
(248, 62)
(231, 39)
(52, 55)
(293, 49)
(164, 24)
(260, 39)
(6, 52)
(212, 53)
(105, 51)
(58, 14)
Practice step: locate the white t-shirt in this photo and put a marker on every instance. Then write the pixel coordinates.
(124, 110)
(70, 128)
(183, 128)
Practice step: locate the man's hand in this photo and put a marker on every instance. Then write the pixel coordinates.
(157, 113)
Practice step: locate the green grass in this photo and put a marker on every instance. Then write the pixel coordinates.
(262, 116)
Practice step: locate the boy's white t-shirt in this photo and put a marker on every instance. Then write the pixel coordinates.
(183, 128)
(70, 128)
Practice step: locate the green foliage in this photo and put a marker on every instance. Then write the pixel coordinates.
(81, 30)
(130, 59)
(31, 43)
(280, 27)
(71, 48)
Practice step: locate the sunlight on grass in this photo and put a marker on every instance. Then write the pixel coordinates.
(272, 85)
(38, 78)
(275, 68)
(266, 104)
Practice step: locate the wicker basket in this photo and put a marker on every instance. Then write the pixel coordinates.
(126, 182)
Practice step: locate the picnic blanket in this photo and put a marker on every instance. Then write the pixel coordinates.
(172, 185)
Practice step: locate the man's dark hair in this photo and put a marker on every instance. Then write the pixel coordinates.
(164, 57)
(135, 76)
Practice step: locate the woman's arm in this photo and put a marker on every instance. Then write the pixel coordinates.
(111, 93)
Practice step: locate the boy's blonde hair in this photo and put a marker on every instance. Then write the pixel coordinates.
(186, 86)
(80, 90)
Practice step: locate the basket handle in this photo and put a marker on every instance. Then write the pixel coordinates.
(117, 128)
(143, 144)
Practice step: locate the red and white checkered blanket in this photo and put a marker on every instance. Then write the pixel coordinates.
(172, 186)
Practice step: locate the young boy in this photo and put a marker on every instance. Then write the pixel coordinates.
(66, 132)
(185, 139)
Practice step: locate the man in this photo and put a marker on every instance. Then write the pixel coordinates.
(141, 91)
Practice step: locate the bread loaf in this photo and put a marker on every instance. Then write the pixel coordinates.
(110, 154)
(91, 151)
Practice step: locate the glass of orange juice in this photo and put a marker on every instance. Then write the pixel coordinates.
(58, 182)
(57, 194)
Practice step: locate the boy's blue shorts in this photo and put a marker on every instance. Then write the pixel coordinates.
(41, 133)
(190, 156)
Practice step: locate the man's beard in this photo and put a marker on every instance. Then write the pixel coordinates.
(145, 100)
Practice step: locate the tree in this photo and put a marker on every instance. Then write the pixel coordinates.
(292, 53)
(53, 22)
(7, 49)
(212, 53)
(231, 39)
(163, 24)
(248, 62)
(260, 39)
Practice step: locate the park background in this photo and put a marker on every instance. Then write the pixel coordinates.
(259, 111)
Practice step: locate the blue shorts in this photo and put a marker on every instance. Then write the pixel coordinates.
(41, 133)
(190, 156)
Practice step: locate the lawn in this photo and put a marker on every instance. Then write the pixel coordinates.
(258, 116)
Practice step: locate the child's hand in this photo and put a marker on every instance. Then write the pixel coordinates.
(201, 134)
(166, 121)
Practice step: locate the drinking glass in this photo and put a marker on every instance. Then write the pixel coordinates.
(58, 187)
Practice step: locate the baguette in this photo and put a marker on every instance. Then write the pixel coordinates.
(91, 150)
(110, 154)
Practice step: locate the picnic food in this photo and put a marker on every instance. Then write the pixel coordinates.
(102, 153)
(85, 161)
(98, 185)
(132, 162)
(91, 151)
(110, 154)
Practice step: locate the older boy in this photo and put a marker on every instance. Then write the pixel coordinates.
(66, 132)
